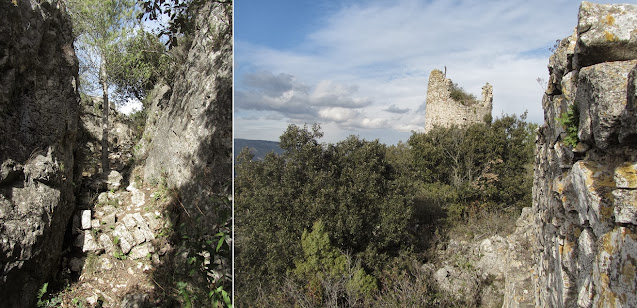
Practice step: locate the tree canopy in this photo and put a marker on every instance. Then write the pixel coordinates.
(349, 186)
(311, 218)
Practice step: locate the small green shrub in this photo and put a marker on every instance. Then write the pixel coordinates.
(570, 121)
(459, 95)
(46, 303)
(41, 292)
(119, 255)
(322, 263)
(208, 259)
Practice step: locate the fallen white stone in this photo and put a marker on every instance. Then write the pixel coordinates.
(86, 219)
(107, 243)
(114, 180)
(87, 241)
(141, 251)
(125, 238)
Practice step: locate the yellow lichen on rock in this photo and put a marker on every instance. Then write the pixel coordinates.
(610, 37)
(596, 175)
(606, 212)
(610, 20)
(626, 175)
(607, 243)
(628, 272)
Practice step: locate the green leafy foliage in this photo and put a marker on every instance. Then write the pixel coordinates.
(139, 64)
(478, 167)
(43, 302)
(350, 186)
(180, 13)
(371, 208)
(321, 263)
(101, 28)
(208, 278)
(570, 121)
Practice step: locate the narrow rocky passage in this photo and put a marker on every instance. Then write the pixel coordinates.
(119, 233)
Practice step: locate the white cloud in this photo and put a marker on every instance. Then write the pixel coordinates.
(337, 114)
(374, 59)
(395, 109)
(327, 100)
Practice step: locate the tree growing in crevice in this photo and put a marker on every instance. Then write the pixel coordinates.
(100, 26)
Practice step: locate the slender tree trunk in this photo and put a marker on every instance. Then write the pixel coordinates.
(103, 80)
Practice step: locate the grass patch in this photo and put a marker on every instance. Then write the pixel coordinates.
(459, 95)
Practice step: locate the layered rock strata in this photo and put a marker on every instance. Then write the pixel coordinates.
(38, 126)
(585, 192)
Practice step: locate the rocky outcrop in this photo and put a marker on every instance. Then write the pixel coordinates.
(494, 272)
(190, 123)
(38, 125)
(584, 196)
(443, 110)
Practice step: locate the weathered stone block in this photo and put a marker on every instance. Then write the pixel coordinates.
(601, 98)
(141, 251)
(606, 33)
(114, 180)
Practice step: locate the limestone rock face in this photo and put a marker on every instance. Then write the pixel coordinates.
(38, 127)
(584, 197)
(190, 125)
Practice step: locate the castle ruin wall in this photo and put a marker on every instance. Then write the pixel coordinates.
(442, 110)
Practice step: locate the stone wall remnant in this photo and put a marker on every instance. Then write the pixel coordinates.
(442, 110)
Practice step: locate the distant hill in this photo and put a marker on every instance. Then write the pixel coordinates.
(259, 147)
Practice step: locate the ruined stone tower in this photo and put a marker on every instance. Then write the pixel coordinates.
(442, 110)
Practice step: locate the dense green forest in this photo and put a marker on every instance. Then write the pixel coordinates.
(347, 224)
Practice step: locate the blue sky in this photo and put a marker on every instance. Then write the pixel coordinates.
(361, 67)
